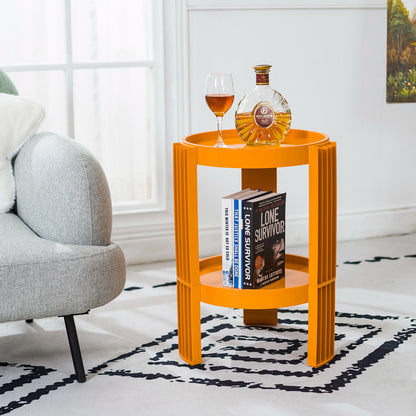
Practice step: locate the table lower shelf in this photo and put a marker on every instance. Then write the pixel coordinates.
(292, 290)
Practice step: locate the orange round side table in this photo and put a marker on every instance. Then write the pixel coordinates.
(309, 280)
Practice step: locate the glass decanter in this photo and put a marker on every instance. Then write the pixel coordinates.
(263, 116)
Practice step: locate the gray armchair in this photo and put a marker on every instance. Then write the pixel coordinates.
(56, 257)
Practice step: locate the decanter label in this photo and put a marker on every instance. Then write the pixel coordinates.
(263, 115)
(262, 78)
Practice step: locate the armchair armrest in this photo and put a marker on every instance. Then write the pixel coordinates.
(61, 191)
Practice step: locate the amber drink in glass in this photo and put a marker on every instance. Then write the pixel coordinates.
(219, 95)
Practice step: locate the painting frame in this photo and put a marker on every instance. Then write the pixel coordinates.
(401, 51)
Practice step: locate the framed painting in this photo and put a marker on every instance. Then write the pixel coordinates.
(401, 51)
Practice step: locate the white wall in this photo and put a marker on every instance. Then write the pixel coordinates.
(329, 61)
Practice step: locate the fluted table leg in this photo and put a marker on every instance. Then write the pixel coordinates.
(322, 253)
(187, 253)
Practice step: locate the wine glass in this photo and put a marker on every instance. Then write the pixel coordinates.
(219, 95)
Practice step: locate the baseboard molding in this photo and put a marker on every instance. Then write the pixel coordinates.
(359, 225)
(381, 223)
(148, 249)
(160, 246)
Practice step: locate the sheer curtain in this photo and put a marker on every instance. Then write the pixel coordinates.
(91, 64)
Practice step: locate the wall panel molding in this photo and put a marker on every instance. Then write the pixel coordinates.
(208, 5)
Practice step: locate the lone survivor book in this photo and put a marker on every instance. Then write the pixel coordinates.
(264, 240)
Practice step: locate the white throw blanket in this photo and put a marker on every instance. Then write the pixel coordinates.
(19, 119)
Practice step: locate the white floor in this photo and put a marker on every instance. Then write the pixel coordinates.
(124, 341)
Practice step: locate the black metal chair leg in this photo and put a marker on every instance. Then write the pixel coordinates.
(75, 350)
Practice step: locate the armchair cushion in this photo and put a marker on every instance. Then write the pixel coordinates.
(19, 119)
(41, 278)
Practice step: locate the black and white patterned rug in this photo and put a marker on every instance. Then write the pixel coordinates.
(269, 357)
(132, 346)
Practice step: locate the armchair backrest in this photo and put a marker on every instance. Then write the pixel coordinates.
(62, 192)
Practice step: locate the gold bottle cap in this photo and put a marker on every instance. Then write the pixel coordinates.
(262, 69)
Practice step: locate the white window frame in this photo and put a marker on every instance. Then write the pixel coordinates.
(156, 64)
(134, 222)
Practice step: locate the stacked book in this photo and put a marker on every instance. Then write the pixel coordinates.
(253, 238)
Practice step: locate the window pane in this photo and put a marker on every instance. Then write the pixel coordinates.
(113, 119)
(48, 88)
(32, 31)
(111, 30)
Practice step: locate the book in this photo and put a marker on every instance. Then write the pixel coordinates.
(264, 240)
(227, 230)
(238, 235)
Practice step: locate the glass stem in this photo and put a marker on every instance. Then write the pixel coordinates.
(220, 142)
